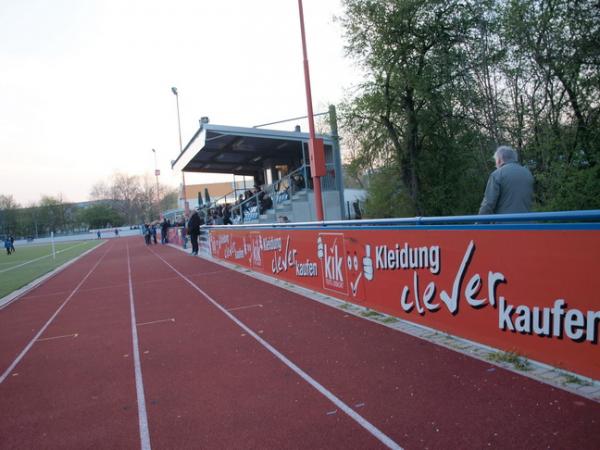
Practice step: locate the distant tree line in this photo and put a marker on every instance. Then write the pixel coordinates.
(123, 200)
(448, 81)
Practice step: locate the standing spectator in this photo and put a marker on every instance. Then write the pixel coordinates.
(357, 211)
(147, 233)
(218, 217)
(510, 187)
(153, 232)
(265, 202)
(193, 229)
(164, 231)
(12, 244)
(227, 215)
(98, 234)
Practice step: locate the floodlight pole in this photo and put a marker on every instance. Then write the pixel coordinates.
(311, 123)
(186, 205)
(156, 175)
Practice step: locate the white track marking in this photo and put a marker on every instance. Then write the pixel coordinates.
(246, 307)
(58, 337)
(39, 333)
(375, 432)
(139, 382)
(202, 274)
(172, 319)
(41, 257)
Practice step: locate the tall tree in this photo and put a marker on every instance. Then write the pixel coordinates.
(415, 55)
(555, 53)
(100, 216)
(8, 214)
(449, 80)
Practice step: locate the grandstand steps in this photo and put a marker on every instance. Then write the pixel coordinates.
(296, 209)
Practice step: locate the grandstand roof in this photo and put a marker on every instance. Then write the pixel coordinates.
(238, 150)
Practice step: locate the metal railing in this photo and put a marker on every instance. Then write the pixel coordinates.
(232, 196)
(279, 192)
(583, 219)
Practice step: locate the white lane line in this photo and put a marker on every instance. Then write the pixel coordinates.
(172, 319)
(39, 333)
(41, 257)
(58, 337)
(375, 432)
(139, 382)
(201, 274)
(245, 307)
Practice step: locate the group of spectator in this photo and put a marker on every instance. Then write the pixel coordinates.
(149, 231)
(219, 215)
(253, 199)
(9, 244)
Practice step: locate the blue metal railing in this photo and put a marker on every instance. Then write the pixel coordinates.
(588, 218)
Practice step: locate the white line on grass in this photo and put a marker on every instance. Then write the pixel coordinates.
(139, 382)
(39, 333)
(41, 257)
(375, 432)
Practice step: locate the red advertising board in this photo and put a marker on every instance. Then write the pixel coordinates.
(534, 292)
(176, 235)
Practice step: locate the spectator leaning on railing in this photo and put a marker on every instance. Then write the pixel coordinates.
(510, 187)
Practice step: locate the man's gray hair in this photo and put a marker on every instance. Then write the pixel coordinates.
(506, 154)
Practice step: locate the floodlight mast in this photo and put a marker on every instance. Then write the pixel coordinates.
(316, 149)
(186, 205)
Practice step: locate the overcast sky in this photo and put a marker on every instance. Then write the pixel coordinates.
(85, 85)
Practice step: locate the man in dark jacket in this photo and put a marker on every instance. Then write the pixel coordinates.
(193, 229)
(510, 187)
(164, 231)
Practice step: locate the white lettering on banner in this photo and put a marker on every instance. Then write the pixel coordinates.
(575, 324)
(256, 254)
(307, 269)
(421, 295)
(407, 257)
(218, 241)
(283, 261)
(546, 321)
(271, 243)
(333, 266)
(452, 302)
(229, 251)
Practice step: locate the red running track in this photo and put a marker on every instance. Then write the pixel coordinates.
(216, 370)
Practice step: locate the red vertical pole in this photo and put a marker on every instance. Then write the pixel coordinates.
(311, 120)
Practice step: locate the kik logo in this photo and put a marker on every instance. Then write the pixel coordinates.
(333, 265)
(331, 253)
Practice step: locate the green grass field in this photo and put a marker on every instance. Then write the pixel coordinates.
(32, 261)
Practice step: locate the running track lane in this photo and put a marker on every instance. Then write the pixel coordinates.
(23, 318)
(419, 394)
(209, 384)
(75, 387)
